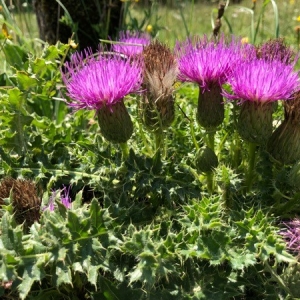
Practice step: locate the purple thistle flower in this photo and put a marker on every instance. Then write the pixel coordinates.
(132, 43)
(102, 81)
(50, 205)
(262, 81)
(64, 198)
(208, 63)
(292, 235)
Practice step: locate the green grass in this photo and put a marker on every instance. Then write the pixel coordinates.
(187, 17)
(183, 18)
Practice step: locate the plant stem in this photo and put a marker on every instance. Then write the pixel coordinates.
(210, 175)
(211, 140)
(251, 163)
(210, 182)
(125, 150)
(193, 136)
(158, 141)
(145, 140)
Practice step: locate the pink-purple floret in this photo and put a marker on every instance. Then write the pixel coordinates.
(103, 80)
(261, 80)
(64, 198)
(292, 235)
(134, 42)
(206, 62)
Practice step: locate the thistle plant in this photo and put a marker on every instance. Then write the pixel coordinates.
(100, 83)
(208, 63)
(131, 43)
(149, 226)
(158, 103)
(256, 84)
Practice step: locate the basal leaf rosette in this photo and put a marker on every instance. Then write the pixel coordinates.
(256, 84)
(100, 83)
(208, 63)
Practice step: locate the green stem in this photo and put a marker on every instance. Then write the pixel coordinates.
(277, 278)
(211, 140)
(193, 136)
(210, 182)
(251, 163)
(125, 150)
(145, 140)
(158, 141)
(210, 175)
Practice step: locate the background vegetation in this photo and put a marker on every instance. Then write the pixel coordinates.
(146, 227)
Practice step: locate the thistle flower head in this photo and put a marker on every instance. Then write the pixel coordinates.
(25, 200)
(292, 235)
(262, 81)
(160, 74)
(276, 49)
(65, 198)
(132, 43)
(208, 62)
(160, 69)
(94, 82)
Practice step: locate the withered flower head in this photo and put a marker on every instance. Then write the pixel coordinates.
(276, 49)
(160, 72)
(160, 69)
(25, 200)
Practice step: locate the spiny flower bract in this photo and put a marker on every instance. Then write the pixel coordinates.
(132, 43)
(103, 80)
(262, 81)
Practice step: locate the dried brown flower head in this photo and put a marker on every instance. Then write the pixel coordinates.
(276, 49)
(160, 73)
(160, 69)
(25, 200)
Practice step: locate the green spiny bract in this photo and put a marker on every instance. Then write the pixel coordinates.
(206, 160)
(115, 123)
(158, 114)
(294, 176)
(210, 109)
(255, 122)
(284, 143)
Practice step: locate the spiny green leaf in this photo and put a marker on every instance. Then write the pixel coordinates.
(96, 215)
(92, 274)
(63, 274)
